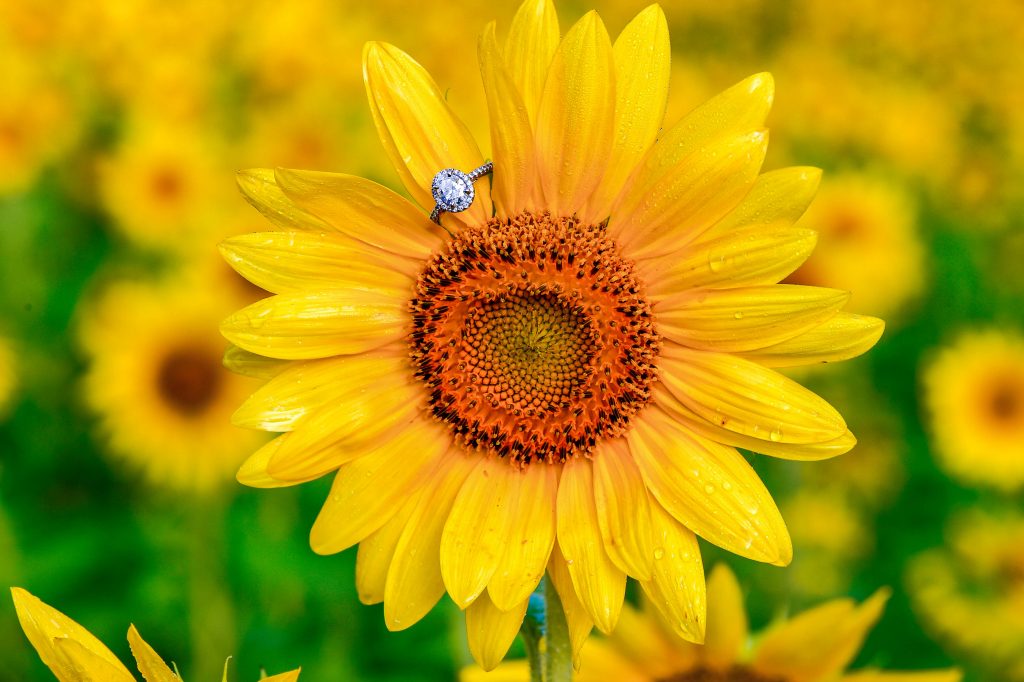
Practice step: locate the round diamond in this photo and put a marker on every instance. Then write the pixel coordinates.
(453, 190)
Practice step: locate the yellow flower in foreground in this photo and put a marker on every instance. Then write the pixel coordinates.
(974, 391)
(867, 243)
(558, 381)
(971, 594)
(814, 646)
(74, 655)
(156, 380)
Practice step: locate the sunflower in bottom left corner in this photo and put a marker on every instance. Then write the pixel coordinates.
(73, 654)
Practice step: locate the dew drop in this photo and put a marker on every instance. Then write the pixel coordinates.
(776, 434)
(659, 553)
(709, 489)
(738, 315)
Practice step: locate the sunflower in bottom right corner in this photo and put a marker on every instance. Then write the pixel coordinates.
(816, 645)
(969, 593)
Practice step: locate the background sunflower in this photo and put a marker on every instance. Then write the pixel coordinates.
(122, 121)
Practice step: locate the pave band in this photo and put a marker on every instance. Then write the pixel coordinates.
(453, 190)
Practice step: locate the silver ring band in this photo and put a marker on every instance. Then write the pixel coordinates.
(453, 190)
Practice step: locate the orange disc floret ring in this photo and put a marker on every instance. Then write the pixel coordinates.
(453, 190)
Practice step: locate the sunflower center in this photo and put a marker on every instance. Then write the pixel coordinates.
(533, 338)
(188, 380)
(735, 674)
(167, 185)
(1006, 403)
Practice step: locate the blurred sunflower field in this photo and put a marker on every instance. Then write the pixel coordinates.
(122, 125)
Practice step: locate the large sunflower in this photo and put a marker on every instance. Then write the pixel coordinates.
(557, 380)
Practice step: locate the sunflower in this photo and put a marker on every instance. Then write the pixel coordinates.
(559, 378)
(867, 243)
(156, 381)
(978, 578)
(162, 184)
(974, 390)
(73, 654)
(814, 646)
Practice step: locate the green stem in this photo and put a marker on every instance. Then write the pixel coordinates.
(211, 612)
(546, 636)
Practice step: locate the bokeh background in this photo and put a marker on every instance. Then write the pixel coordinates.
(121, 125)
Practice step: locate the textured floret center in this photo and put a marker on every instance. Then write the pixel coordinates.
(529, 352)
(533, 337)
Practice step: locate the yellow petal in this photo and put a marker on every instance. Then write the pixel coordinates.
(260, 189)
(419, 131)
(368, 491)
(285, 262)
(305, 387)
(599, 584)
(363, 210)
(778, 198)
(531, 45)
(739, 111)
(150, 664)
(623, 510)
(602, 661)
(509, 671)
(818, 644)
(675, 209)
(677, 588)
(515, 161)
(318, 325)
(642, 65)
(948, 675)
(531, 536)
(377, 552)
(746, 398)
(739, 258)
(727, 619)
(745, 318)
(709, 488)
(253, 471)
(807, 452)
(290, 676)
(640, 639)
(85, 665)
(344, 432)
(252, 365)
(67, 649)
(576, 617)
(491, 631)
(477, 529)
(575, 122)
(414, 582)
(841, 337)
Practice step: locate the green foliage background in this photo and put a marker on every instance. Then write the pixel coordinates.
(235, 574)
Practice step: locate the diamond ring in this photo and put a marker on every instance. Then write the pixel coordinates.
(453, 190)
